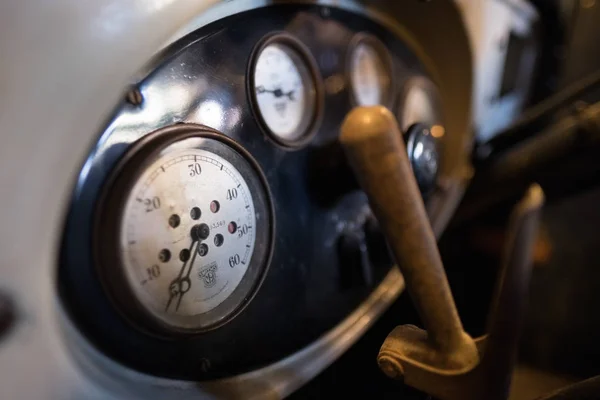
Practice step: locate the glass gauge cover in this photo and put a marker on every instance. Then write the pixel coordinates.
(189, 219)
(286, 89)
(371, 72)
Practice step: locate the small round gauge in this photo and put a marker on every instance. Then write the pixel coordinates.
(185, 231)
(371, 71)
(420, 103)
(286, 89)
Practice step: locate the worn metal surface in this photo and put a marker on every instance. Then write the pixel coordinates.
(491, 378)
(371, 139)
(443, 360)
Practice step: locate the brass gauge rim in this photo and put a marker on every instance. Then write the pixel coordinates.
(109, 213)
(310, 128)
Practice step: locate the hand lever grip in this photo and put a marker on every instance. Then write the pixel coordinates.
(374, 146)
(444, 360)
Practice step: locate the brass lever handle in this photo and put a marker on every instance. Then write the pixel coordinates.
(443, 360)
(376, 151)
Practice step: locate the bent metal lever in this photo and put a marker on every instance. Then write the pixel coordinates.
(443, 360)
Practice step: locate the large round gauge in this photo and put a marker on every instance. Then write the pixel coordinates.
(286, 89)
(371, 72)
(185, 231)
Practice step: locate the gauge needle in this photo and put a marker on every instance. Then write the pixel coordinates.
(290, 95)
(182, 284)
(276, 92)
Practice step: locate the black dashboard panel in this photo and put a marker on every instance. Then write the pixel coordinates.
(202, 79)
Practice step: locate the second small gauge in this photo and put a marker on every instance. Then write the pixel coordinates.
(285, 87)
(420, 103)
(370, 71)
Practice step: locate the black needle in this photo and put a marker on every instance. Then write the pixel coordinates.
(186, 283)
(261, 90)
(182, 284)
(290, 95)
(276, 92)
(175, 288)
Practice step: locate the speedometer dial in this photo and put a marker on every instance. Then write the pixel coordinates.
(168, 223)
(286, 89)
(192, 233)
(370, 72)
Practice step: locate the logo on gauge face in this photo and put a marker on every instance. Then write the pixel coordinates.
(208, 274)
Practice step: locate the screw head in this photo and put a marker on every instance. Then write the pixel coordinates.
(134, 96)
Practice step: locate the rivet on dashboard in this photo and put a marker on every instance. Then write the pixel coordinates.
(134, 96)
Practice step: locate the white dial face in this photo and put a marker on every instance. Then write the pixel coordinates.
(285, 92)
(417, 108)
(369, 75)
(187, 233)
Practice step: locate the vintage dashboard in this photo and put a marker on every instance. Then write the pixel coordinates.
(215, 227)
(289, 239)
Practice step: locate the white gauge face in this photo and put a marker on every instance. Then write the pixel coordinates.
(369, 74)
(418, 108)
(285, 91)
(187, 233)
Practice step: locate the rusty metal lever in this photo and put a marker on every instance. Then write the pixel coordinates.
(443, 360)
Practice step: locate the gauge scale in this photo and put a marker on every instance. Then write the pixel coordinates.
(189, 216)
(286, 89)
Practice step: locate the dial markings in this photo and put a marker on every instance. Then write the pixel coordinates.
(165, 239)
(284, 89)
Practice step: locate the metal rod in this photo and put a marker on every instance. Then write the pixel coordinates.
(570, 138)
(528, 124)
(508, 309)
